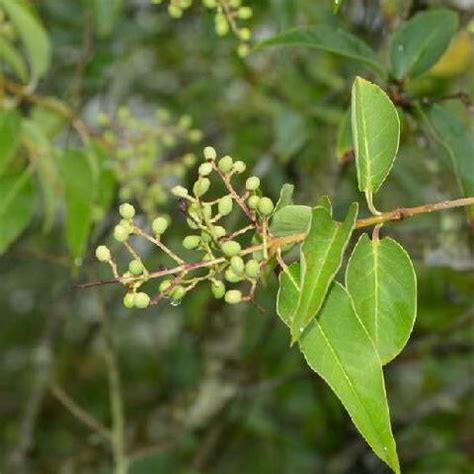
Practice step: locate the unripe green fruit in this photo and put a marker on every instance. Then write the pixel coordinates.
(219, 231)
(237, 264)
(210, 153)
(233, 297)
(210, 3)
(185, 122)
(225, 164)
(253, 201)
(191, 242)
(218, 289)
(177, 292)
(265, 206)
(129, 300)
(141, 300)
(252, 268)
(135, 267)
(120, 233)
(222, 27)
(179, 191)
(244, 13)
(205, 169)
(159, 225)
(252, 183)
(207, 211)
(175, 12)
(243, 50)
(245, 34)
(225, 205)
(164, 285)
(195, 135)
(231, 248)
(232, 277)
(206, 237)
(127, 211)
(189, 159)
(102, 253)
(201, 186)
(239, 167)
(127, 225)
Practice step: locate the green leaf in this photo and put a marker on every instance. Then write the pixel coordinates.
(337, 347)
(10, 128)
(106, 15)
(376, 135)
(33, 36)
(286, 197)
(79, 187)
(345, 146)
(320, 256)
(328, 38)
(421, 41)
(291, 219)
(17, 205)
(12, 58)
(382, 283)
(458, 143)
(291, 133)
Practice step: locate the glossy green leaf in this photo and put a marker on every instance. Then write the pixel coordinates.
(381, 280)
(321, 256)
(286, 197)
(421, 41)
(10, 135)
(17, 205)
(79, 187)
(10, 56)
(33, 35)
(376, 135)
(337, 347)
(290, 219)
(327, 38)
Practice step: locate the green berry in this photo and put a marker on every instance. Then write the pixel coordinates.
(252, 183)
(127, 225)
(244, 13)
(219, 231)
(218, 289)
(225, 205)
(129, 300)
(253, 201)
(191, 242)
(141, 300)
(210, 153)
(243, 50)
(265, 206)
(252, 268)
(179, 191)
(237, 264)
(207, 211)
(175, 12)
(231, 248)
(205, 169)
(201, 186)
(239, 167)
(233, 297)
(225, 164)
(159, 225)
(102, 253)
(222, 27)
(164, 285)
(195, 135)
(120, 233)
(232, 277)
(135, 267)
(206, 237)
(127, 211)
(210, 3)
(177, 292)
(189, 159)
(245, 34)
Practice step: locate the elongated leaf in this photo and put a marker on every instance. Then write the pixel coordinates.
(33, 36)
(17, 204)
(381, 280)
(286, 197)
(79, 187)
(10, 128)
(376, 135)
(10, 56)
(345, 146)
(421, 41)
(327, 38)
(338, 348)
(321, 256)
(291, 220)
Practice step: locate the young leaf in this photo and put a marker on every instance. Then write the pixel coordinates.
(10, 128)
(376, 135)
(10, 56)
(421, 41)
(17, 204)
(338, 348)
(286, 197)
(33, 36)
(327, 38)
(382, 283)
(79, 185)
(321, 256)
(290, 219)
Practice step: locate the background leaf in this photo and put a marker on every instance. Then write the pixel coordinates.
(382, 283)
(106, 15)
(10, 56)
(291, 219)
(321, 256)
(376, 134)
(421, 41)
(345, 146)
(286, 197)
(10, 134)
(327, 38)
(17, 204)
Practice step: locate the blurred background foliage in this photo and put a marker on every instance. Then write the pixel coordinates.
(206, 387)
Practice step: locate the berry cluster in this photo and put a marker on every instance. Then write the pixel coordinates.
(228, 16)
(146, 153)
(218, 256)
